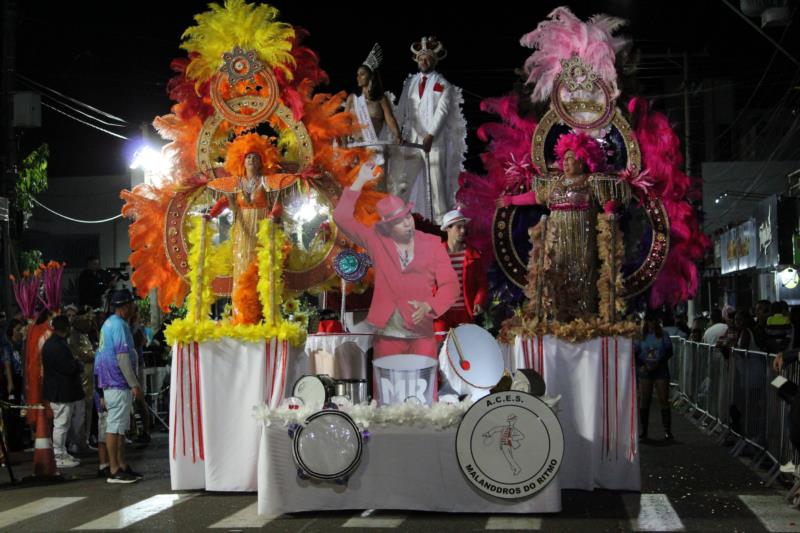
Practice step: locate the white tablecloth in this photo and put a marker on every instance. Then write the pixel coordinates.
(401, 468)
(598, 409)
(214, 439)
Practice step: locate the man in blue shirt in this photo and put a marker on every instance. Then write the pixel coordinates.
(114, 369)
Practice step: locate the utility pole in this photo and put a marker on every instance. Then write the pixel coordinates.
(8, 177)
(687, 160)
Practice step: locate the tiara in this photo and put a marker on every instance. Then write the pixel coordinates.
(375, 58)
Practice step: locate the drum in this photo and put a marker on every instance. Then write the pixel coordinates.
(328, 446)
(315, 391)
(471, 357)
(530, 381)
(355, 389)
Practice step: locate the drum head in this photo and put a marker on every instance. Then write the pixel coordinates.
(484, 360)
(311, 390)
(328, 446)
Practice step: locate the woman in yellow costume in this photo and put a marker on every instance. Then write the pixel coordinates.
(249, 158)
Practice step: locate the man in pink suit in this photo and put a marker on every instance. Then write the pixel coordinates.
(414, 281)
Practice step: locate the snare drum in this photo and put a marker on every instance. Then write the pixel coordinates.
(315, 391)
(328, 446)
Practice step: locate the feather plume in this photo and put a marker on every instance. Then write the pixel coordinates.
(251, 26)
(508, 146)
(564, 35)
(661, 160)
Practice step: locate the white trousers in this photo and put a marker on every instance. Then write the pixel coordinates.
(67, 418)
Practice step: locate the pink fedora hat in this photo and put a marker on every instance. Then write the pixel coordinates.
(391, 207)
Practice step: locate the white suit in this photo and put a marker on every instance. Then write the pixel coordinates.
(437, 112)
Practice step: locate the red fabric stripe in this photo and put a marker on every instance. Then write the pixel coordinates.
(175, 410)
(191, 405)
(605, 395)
(634, 399)
(525, 342)
(199, 404)
(284, 358)
(180, 386)
(616, 400)
(267, 347)
(541, 356)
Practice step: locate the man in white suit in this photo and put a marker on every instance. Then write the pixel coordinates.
(429, 113)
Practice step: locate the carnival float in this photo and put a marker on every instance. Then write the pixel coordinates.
(582, 208)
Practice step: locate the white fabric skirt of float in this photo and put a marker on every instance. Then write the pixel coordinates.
(213, 438)
(401, 467)
(598, 410)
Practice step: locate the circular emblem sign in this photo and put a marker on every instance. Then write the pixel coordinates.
(510, 445)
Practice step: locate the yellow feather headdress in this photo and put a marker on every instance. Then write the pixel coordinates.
(251, 26)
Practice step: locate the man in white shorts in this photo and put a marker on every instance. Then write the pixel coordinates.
(114, 368)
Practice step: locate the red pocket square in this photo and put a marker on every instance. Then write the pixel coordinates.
(438, 88)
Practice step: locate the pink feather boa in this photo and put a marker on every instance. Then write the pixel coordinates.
(507, 162)
(661, 158)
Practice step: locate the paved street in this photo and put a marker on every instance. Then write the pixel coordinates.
(692, 485)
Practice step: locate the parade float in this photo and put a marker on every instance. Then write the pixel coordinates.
(259, 163)
(590, 241)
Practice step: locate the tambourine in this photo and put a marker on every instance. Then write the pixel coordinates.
(315, 391)
(328, 446)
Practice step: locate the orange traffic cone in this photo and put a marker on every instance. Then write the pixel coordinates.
(44, 460)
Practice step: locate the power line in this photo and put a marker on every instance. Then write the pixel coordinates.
(73, 100)
(37, 202)
(45, 104)
(75, 109)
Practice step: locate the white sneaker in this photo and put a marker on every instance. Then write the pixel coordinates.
(66, 461)
(788, 468)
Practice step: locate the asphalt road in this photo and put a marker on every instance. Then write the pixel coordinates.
(690, 484)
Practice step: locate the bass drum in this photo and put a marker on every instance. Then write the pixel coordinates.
(315, 391)
(328, 446)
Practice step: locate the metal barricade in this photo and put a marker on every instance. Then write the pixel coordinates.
(730, 394)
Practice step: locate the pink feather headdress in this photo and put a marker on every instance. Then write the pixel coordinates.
(584, 147)
(565, 35)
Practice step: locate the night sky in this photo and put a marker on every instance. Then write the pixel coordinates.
(115, 56)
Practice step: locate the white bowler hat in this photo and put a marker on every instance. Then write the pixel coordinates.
(451, 217)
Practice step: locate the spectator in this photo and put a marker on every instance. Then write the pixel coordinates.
(37, 335)
(760, 327)
(11, 381)
(82, 348)
(652, 354)
(699, 325)
(779, 332)
(114, 370)
(140, 340)
(62, 388)
(670, 327)
(717, 329)
(682, 323)
(783, 359)
(91, 284)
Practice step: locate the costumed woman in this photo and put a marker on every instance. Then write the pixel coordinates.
(652, 354)
(373, 107)
(563, 285)
(248, 158)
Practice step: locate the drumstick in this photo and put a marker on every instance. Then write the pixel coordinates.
(463, 362)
